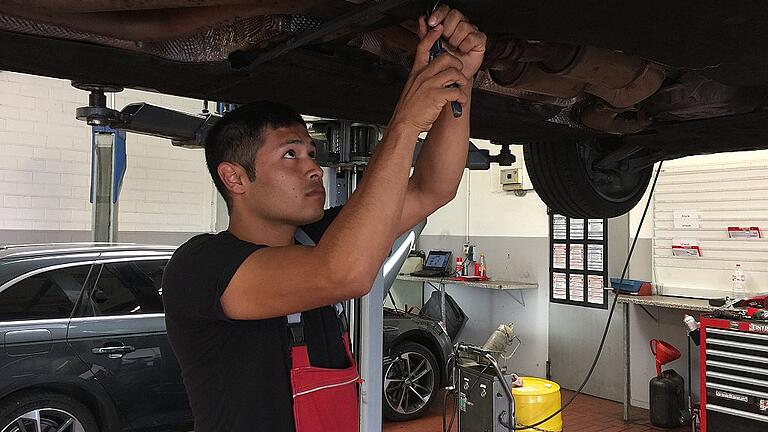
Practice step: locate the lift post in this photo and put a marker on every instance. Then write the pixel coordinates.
(108, 165)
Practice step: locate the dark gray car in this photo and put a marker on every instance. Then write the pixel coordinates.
(84, 346)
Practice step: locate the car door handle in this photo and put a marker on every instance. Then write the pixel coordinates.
(119, 350)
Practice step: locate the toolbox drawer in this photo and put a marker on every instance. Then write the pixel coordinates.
(734, 378)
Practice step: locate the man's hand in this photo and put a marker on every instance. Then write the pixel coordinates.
(463, 39)
(427, 90)
(440, 165)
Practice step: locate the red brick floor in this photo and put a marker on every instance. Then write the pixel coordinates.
(585, 414)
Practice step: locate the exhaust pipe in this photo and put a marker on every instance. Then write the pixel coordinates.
(564, 71)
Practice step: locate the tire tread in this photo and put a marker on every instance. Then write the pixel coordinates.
(561, 181)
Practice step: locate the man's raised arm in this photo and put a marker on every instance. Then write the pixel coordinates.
(443, 156)
(276, 281)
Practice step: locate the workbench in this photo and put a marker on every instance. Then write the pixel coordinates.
(500, 285)
(666, 302)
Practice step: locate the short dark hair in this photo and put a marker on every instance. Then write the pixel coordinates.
(237, 137)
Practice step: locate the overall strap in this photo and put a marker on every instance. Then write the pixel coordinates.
(304, 239)
(296, 343)
(295, 321)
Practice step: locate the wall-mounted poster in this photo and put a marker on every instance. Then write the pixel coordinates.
(559, 254)
(595, 289)
(595, 257)
(559, 227)
(577, 229)
(576, 287)
(578, 261)
(595, 229)
(577, 257)
(559, 286)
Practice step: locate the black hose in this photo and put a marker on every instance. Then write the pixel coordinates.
(445, 396)
(455, 386)
(690, 385)
(445, 401)
(607, 324)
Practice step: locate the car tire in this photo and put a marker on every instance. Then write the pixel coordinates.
(400, 402)
(54, 410)
(566, 183)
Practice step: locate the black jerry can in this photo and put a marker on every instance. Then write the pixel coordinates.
(667, 394)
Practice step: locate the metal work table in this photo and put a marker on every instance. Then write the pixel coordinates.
(667, 302)
(499, 285)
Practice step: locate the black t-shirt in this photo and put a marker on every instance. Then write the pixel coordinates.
(237, 372)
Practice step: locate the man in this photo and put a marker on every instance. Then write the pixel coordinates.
(227, 295)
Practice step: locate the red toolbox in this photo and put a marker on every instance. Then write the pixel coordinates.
(734, 375)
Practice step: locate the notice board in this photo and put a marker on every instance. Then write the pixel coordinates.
(578, 261)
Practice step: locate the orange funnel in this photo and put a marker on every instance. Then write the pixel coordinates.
(664, 353)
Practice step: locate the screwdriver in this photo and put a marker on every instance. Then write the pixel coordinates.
(436, 50)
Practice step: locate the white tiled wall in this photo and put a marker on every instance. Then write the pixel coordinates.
(45, 164)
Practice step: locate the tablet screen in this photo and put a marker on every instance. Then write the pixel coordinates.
(437, 260)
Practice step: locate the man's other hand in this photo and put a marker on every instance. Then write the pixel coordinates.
(428, 88)
(462, 38)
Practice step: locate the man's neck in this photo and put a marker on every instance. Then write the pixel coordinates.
(260, 231)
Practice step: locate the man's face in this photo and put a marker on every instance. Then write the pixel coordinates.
(289, 184)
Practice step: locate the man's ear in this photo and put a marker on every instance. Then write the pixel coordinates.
(233, 176)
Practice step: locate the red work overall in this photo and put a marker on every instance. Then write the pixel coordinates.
(324, 400)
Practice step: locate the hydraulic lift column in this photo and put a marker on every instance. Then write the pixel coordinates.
(366, 314)
(349, 147)
(108, 160)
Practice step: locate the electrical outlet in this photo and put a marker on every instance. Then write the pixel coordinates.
(510, 176)
(514, 179)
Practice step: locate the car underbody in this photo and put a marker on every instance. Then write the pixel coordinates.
(627, 84)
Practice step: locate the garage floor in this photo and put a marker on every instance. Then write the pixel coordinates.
(586, 414)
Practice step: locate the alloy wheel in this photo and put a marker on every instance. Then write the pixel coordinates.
(45, 420)
(409, 382)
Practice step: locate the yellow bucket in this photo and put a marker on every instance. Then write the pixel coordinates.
(537, 399)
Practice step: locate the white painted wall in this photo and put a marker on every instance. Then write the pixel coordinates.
(45, 164)
(492, 211)
(485, 213)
